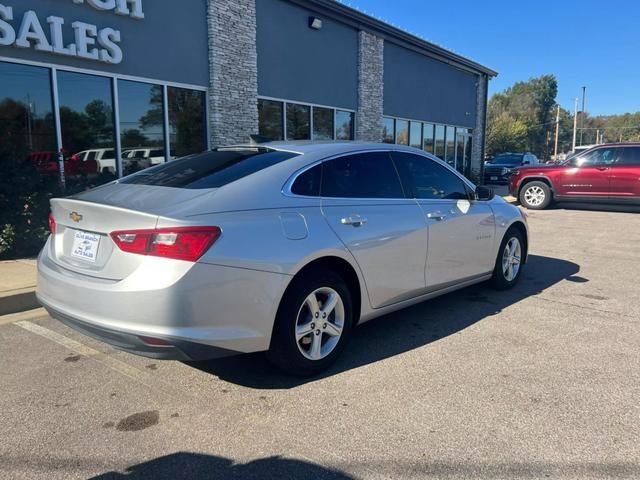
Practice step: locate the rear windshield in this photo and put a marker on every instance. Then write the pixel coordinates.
(507, 159)
(210, 169)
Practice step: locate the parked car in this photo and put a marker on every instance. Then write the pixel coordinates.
(105, 159)
(46, 163)
(154, 156)
(281, 247)
(605, 173)
(498, 169)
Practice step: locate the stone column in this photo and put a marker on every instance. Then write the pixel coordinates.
(480, 130)
(233, 71)
(370, 87)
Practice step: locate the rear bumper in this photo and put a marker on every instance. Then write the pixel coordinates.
(201, 310)
(178, 350)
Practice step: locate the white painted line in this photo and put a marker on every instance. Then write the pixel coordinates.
(82, 349)
(29, 314)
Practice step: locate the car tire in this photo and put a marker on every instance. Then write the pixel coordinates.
(512, 249)
(536, 195)
(326, 337)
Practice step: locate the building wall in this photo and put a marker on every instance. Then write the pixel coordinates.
(419, 87)
(370, 88)
(169, 44)
(298, 63)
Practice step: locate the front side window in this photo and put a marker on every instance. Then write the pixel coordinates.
(298, 122)
(322, 123)
(363, 175)
(212, 169)
(344, 125)
(599, 156)
(271, 119)
(424, 178)
(388, 130)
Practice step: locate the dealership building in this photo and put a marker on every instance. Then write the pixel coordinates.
(117, 85)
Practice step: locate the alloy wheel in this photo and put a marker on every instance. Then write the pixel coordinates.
(320, 323)
(534, 196)
(511, 259)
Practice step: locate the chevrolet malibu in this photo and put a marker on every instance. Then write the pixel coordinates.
(276, 247)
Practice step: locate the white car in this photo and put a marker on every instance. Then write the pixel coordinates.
(155, 155)
(104, 157)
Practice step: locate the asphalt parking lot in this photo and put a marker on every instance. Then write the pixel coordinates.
(539, 382)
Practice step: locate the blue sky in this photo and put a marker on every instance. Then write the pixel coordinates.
(582, 42)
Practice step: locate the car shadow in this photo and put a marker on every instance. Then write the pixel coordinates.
(198, 465)
(404, 330)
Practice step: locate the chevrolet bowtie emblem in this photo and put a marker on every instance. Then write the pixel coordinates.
(75, 216)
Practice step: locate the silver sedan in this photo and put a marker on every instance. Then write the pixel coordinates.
(277, 247)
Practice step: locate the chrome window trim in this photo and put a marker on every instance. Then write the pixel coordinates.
(286, 188)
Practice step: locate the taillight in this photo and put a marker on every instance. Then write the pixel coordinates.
(52, 224)
(180, 243)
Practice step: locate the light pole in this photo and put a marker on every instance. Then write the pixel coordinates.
(584, 96)
(575, 126)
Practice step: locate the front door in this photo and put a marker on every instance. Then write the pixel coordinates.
(461, 230)
(364, 203)
(589, 175)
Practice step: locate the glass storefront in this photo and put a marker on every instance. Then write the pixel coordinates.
(303, 121)
(47, 151)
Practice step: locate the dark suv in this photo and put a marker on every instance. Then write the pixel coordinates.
(606, 173)
(498, 169)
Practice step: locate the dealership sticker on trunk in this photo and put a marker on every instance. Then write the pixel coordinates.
(85, 245)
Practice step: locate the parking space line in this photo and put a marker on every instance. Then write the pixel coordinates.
(77, 347)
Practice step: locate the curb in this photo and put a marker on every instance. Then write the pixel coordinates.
(17, 301)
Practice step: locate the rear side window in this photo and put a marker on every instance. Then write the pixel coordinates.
(210, 169)
(364, 175)
(308, 183)
(424, 178)
(630, 156)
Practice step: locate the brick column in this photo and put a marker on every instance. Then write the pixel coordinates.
(480, 130)
(370, 87)
(233, 71)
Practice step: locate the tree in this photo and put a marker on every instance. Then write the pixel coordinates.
(532, 104)
(505, 134)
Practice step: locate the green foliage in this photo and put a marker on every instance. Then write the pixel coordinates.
(505, 134)
(529, 103)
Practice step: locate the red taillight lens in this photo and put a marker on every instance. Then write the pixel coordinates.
(181, 243)
(52, 224)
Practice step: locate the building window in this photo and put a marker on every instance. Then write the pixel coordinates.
(402, 132)
(298, 122)
(26, 116)
(86, 119)
(450, 154)
(187, 121)
(415, 134)
(323, 123)
(439, 142)
(388, 130)
(141, 109)
(428, 136)
(271, 119)
(344, 125)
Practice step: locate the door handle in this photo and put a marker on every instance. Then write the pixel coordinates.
(354, 221)
(436, 216)
(603, 169)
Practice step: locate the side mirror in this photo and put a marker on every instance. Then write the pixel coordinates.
(485, 193)
(526, 162)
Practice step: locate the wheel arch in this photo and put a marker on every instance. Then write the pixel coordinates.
(536, 178)
(343, 268)
(521, 227)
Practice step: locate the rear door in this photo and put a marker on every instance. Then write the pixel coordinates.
(625, 174)
(461, 230)
(590, 175)
(364, 203)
